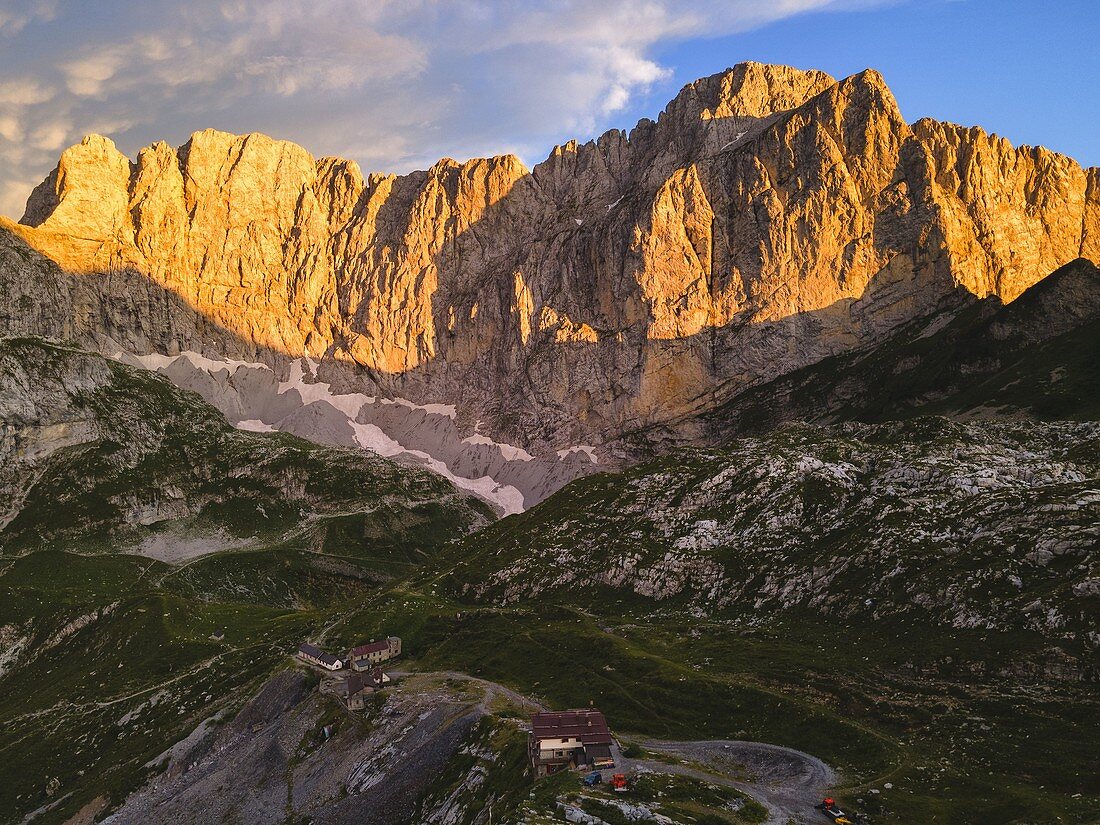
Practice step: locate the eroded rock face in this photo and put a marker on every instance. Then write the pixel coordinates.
(769, 218)
(136, 465)
(961, 525)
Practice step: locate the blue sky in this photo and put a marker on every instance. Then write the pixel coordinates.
(396, 84)
(1028, 70)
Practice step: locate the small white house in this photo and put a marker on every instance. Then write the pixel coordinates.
(314, 655)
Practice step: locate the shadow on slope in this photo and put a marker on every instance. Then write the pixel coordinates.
(911, 601)
(107, 457)
(1033, 357)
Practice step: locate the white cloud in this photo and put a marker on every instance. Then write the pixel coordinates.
(51, 136)
(627, 73)
(16, 14)
(13, 197)
(25, 92)
(89, 75)
(10, 128)
(391, 83)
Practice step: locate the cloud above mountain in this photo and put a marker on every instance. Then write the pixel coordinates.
(392, 84)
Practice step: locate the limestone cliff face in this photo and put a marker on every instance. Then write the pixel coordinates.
(770, 217)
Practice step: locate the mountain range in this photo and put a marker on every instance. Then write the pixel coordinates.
(770, 218)
(774, 420)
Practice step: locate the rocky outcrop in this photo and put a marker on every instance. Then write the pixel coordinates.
(287, 755)
(1023, 359)
(945, 524)
(100, 455)
(769, 218)
(40, 299)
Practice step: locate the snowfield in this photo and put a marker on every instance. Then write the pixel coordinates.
(254, 398)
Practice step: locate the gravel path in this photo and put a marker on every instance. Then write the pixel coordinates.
(787, 782)
(173, 548)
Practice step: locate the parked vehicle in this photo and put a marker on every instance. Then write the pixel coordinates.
(594, 778)
(829, 807)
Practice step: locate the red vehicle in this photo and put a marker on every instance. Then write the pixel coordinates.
(829, 807)
(618, 782)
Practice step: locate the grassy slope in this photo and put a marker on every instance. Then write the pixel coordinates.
(884, 699)
(105, 643)
(963, 749)
(113, 659)
(860, 521)
(967, 724)
(165, 451)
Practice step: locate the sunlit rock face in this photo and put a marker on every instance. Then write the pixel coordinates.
(769, 218)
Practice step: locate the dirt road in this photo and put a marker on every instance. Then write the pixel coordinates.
(787, 782)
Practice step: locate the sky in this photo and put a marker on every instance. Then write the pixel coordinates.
(397, 84)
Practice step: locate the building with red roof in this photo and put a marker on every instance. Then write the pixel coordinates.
(364, 657)
(569, 739)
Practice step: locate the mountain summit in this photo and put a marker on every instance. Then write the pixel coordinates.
(768, 219)
(830, 379)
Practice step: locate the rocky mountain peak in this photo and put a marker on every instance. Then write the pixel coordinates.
(86, 191)
(770, 218)
(755, 90)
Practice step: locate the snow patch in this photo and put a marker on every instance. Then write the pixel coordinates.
(372, 438)
(581, 448)
(349, 404)
(507, 497)
(432, 409)
(254, 425)
(155, 361)
(736, 138)
(509, 451)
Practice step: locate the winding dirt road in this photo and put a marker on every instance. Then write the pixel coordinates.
(787, 782)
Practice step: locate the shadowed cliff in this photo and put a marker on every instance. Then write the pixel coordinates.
(770, 218)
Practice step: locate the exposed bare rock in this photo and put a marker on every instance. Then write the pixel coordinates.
(769, 218)
(290, 755)
(961, 525)
(136, 464)
(1008, 213)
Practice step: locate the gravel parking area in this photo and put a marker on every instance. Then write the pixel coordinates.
(788, 782)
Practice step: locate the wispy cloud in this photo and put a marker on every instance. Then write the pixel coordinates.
(391, 83)
(24, 92)
(16, 14)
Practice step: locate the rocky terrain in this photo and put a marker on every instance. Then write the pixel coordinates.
(1032, 358)
(274, 761)
(768, 219)
(436, 749)
(41, 299)
(109, 456)
(963, 525)
(156, 564)
(789, 408)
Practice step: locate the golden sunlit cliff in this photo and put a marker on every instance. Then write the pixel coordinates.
(769, 218)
